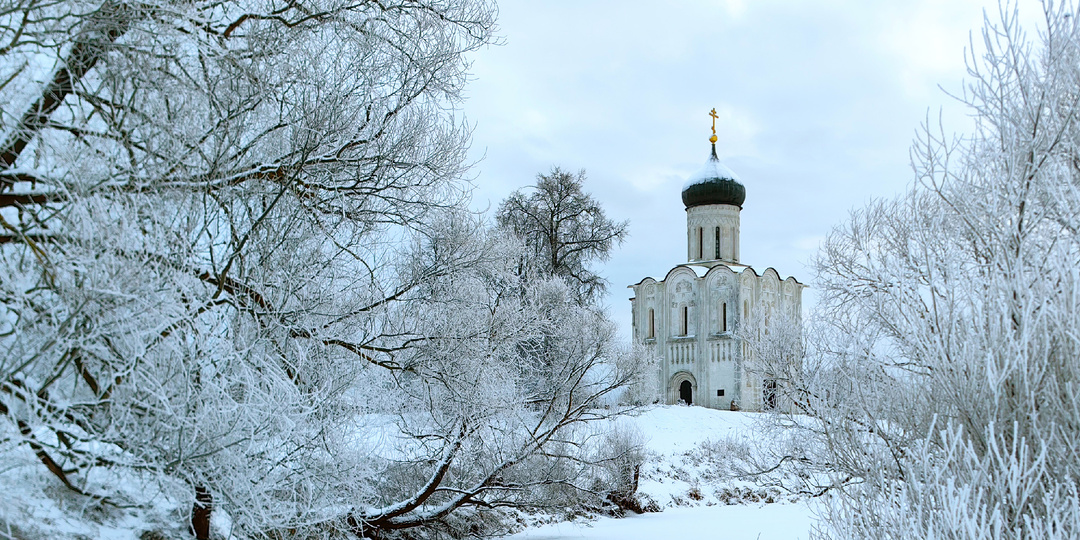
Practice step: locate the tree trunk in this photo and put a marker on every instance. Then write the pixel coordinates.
(200, 513)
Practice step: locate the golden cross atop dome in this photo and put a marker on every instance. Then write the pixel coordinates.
(712, 113)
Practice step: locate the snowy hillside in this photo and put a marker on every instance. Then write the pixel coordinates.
(680, 476)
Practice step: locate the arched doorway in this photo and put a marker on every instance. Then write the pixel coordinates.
(681, 387)
(686, 392)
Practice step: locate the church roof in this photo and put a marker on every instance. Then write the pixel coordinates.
(713, 184)
(700, 270)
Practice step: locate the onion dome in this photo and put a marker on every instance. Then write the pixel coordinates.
(713, 184)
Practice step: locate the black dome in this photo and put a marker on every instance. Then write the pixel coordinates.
(713, 184)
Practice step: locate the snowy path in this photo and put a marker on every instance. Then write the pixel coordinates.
(736, 522)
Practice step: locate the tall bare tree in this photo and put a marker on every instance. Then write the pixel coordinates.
(564, 228)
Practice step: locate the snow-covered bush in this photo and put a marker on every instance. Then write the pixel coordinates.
(620, 456)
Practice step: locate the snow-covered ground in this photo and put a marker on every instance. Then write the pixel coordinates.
(680, 476)
(781, 521)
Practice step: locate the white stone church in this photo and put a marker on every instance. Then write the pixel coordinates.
(688, 318)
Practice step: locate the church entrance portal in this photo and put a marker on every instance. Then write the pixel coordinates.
(680, 388)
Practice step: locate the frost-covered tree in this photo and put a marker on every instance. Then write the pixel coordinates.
(952, 315)
(205, 206)
(235, 279)
(564, 231)
(772, 350)
(473, 429)
(564, 228)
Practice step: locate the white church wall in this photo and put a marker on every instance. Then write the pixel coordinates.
(721, 300)
(703, 223)
(714, 358)
(682, 312)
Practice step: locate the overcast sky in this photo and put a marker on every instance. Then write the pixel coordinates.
(818, 104)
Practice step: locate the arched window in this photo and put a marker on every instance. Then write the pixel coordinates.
(723, 317)
(700, 244)
(652, 324)
(685, 321)
(717, 243)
